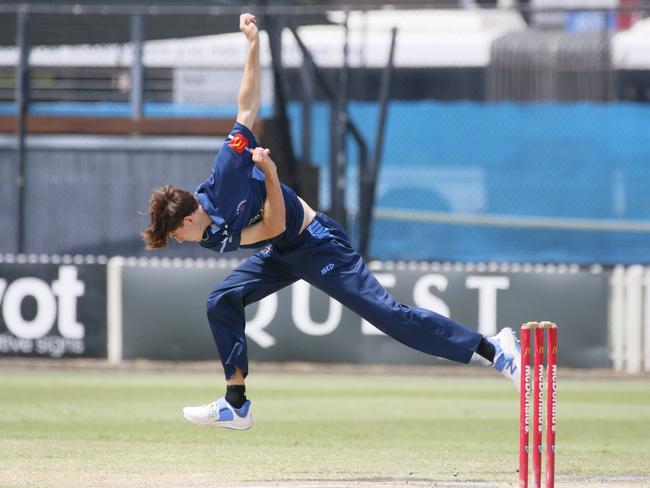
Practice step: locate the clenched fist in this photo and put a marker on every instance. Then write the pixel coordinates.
(262, 158)
(248, 25)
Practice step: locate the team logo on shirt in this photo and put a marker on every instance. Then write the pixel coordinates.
(238, 143)
(241, 206)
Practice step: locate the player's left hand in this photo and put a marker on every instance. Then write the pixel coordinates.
(248, 25)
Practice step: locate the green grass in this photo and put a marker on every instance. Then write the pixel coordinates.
(76, 429)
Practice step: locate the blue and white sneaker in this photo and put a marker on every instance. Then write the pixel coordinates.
(220, 414)
(507, 355)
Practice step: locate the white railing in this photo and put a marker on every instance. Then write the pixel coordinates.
(630, 318)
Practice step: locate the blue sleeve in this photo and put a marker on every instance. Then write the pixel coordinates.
(229, 182)
(234, 160)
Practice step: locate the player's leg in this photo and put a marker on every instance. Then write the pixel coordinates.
(348, 280)
(256, 278)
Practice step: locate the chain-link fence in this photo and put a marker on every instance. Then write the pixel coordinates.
(510, 134)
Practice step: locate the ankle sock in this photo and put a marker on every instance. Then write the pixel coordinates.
(486, 350)
(236, 395)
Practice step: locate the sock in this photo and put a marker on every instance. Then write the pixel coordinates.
(235, 395)
(485, 349)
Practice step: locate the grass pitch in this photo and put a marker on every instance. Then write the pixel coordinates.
(124, 429)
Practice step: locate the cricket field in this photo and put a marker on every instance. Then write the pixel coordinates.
(81, 427)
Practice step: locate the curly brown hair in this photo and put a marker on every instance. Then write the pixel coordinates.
(168, 206)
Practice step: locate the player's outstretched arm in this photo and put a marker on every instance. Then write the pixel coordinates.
(274, 221)
(248, 102)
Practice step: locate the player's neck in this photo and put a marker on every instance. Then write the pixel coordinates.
(204, 219)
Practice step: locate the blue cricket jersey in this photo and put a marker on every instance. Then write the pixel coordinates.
(233, 196)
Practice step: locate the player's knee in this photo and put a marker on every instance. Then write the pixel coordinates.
(393, 315)
(223, 300)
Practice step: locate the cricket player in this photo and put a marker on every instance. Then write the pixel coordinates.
(243, 204)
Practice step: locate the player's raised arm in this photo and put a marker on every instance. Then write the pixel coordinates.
(274, 221)
(248, 102)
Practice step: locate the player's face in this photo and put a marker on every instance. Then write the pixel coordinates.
(190, 230)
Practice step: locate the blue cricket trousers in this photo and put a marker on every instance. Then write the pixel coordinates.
(323, 244)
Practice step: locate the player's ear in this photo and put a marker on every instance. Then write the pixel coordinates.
(188, 219)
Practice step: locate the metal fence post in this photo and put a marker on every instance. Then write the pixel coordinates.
(338, 159)
(137, 72)
(368, 179)
(22, 103)
(307, 79)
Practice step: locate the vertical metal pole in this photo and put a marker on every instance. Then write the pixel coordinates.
(524, 407)
(342, 158)
(274, 26)
(22, 102)
(368, 178)
(384, 94)
(137, 73)
(335, 206)
(307, 78)
(339, 158)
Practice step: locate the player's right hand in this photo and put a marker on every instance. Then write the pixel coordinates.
(248, 25)
(262, 158)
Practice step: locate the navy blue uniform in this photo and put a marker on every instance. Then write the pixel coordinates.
(233, 196)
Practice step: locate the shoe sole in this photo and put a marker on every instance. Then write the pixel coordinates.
(229, 424)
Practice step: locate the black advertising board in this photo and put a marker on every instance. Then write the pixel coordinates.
(52, 309)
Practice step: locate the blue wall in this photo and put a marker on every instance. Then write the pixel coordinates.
(551, 160)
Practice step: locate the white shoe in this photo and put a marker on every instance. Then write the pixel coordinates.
(507, 355)
(220, 414)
